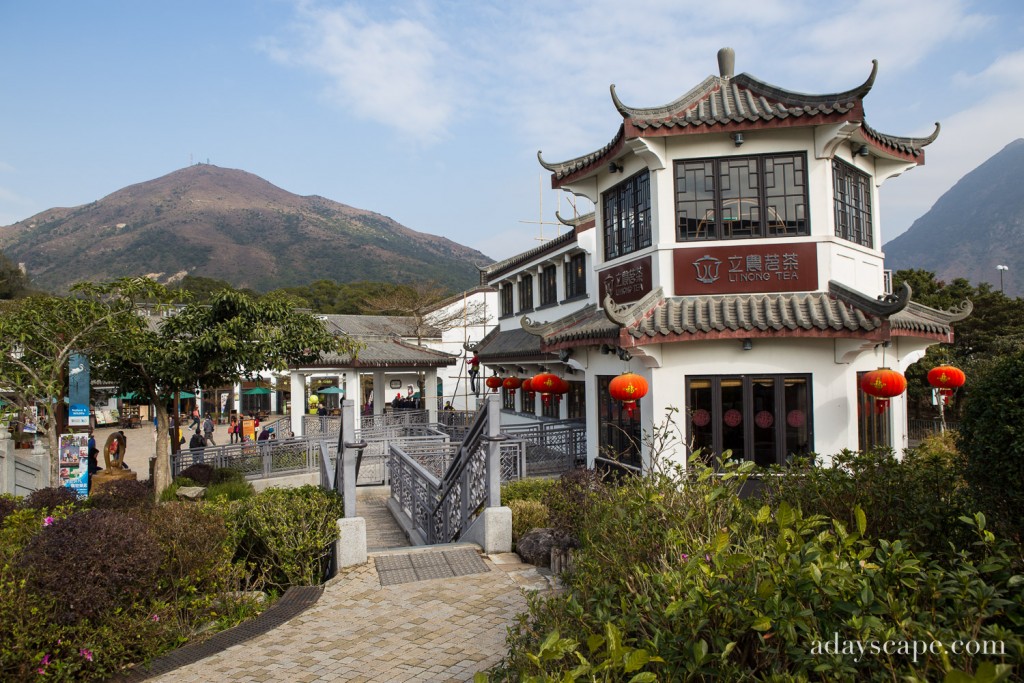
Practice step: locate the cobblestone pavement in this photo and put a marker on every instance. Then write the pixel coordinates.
(434, 630)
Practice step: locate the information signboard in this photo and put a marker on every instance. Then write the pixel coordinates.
(74, 462)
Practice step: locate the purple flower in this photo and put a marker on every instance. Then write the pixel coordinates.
(684, 557)
(155, 617)
(48, 521)
(45, 661)
(87, 653)
(707, 558)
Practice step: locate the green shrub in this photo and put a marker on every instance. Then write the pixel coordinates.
(527, 515)
(571, 497)
(992, 443)
(8, 504)
(230, 490)
(224, 475)
(171, 492)
(719, 589)
(92, 563)
(49, 499)
(200, 473)
(288, 534)
(525, 489)
(918, 499)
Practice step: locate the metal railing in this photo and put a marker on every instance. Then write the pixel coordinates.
(441, 508)
(282, 427)
(254, 459)
(550, 449)
(918, 429)
(321, 426)
(398, 418)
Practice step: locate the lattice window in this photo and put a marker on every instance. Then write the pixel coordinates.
(853, 204)
(506, 299)
(626, 215)
(549, 286)
(526, 293)
(576, 276)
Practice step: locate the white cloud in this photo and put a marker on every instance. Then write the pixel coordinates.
(389, 71)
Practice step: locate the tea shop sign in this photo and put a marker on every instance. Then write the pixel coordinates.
(628, 282)
(744, 269)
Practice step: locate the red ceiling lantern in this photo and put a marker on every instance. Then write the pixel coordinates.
(545, 383)
(493, 382)
(883, 384)
(512, 383)
(628, 388)
(527, 385)
(946, 378)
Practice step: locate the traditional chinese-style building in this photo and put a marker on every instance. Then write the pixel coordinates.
(734, 262)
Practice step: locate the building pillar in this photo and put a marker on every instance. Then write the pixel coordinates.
(430, 394)
(273, 395)
(298, 404)
(380, 389)
(237, 391)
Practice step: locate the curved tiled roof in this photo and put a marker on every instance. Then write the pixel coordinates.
(919, 318)
(565, 168)
(527, 256)
(911, 146)
(589, 322)
(387, 352)
(500, 346)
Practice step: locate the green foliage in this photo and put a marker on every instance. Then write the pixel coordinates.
(572, 497)
(13, 282)
(917, 499)
(681, 580)
(287, 534)
(50, 498)
(345, 298)
(203, 288)
(230, 490)
(525, 489)
(527, 515)
(992, 442)
(200, 473)
(170, 493)
(124, 494)
(8, 504)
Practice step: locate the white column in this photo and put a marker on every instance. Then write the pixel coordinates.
(238, 400)
(273, 394)
(430, 394)
(380, 392)
(298, 405)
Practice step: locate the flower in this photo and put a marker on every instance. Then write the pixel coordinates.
(155, 617)
(87, 653)
(48, 521)
(684, 557)
(45, 661)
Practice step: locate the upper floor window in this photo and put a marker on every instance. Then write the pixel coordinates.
(526, 293)
(548, 286)
(576, 276)
(506, 299)
(626, 212)
(742, 197)
(853, 203)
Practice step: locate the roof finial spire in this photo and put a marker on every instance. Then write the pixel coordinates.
(726, 62)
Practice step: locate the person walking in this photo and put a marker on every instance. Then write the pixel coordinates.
(233, 430)
(197, 444)
(208, 431)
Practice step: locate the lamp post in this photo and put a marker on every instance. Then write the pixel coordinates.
(1001, 269)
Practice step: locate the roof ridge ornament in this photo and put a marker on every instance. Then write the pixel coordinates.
(726, 62)
(882, 307)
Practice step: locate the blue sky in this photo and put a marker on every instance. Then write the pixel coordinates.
(432, 112)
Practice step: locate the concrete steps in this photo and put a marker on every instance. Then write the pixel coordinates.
(382, 531)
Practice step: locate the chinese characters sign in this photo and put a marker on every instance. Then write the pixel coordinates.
(628, 282)
(74, 462)
(744, 269)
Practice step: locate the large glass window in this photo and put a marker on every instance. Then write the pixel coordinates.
(548, 286)
(626, 212)
(576, 276)
(506, 299)
(619, 437)
(764, 418)
(577, 401)
(853, 204)
(527, 402)
(526, 293)
(741, 197)
(508, 399)
(874, 427)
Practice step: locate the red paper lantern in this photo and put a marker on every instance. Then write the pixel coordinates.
(545, 383)
(512, 383)
(527, 385)
(628, 388)
(493, 382)
(561, 386)
(883, 384)
(946, 378)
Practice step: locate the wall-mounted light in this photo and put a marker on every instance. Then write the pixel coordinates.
(748, 344)
(564, 354)
(737, 139)
(614, 167)
(520, 370)
(499, 370)
(862, 151)
(623, 354)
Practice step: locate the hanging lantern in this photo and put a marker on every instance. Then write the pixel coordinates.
(545, 383)
(946, 378)
(883, 384)
(560, 388)
(628, 388)
(527, 385)
(493, 382)
(512, 383)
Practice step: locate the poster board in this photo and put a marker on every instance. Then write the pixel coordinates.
(74, 462)
(248, 429)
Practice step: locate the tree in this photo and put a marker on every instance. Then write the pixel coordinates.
(14, 282)
(430, 307)
(39, 333)
(231, 337)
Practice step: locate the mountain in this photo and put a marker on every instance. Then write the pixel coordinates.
(975, 226)
(231, 225)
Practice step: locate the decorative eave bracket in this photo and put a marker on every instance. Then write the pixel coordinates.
(828, 138)
(645, 150)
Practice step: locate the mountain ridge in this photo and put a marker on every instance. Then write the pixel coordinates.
(232, 225)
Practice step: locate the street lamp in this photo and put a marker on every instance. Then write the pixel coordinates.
(1001, 269)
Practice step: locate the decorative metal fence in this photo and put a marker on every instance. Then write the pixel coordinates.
(918, 429)
(550, 449)
(254, 459)
(321, 426)
(398, 418)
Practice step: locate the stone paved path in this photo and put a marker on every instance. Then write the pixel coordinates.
(434, 630)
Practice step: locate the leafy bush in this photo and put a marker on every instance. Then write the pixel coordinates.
(525, 489)
(288, 534)
(719, 589)
(224, 475)
(170, 493)
(200, 473)
(122, 494)
(49, 499)
(918, 499)
(527, 515)
(8, 504)
(92, 562)
(571, 497)
(230, 490)
(992, 443)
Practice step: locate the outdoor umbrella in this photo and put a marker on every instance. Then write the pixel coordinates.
(130, 396)
(331, 390)
(256, 391)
